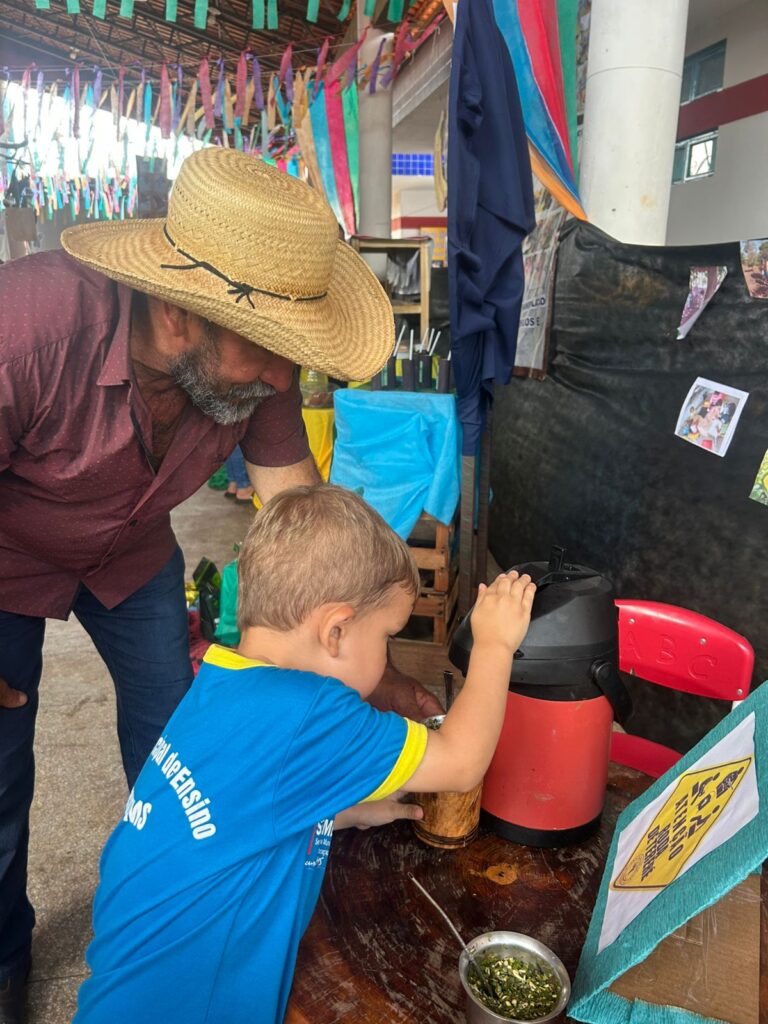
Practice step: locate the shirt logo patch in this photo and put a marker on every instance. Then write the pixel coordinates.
(319, 844)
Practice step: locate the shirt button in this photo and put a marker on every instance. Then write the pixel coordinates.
(132, 522)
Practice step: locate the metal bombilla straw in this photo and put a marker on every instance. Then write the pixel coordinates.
(481, 977)
(448, 684)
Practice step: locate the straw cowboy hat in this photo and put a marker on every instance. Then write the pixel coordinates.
(257, 252)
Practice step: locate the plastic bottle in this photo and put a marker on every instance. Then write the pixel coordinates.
(315, 391)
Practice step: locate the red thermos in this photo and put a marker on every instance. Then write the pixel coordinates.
(546, 782)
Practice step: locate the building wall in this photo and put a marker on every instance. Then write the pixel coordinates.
(733, 202)
(415, 212)
(745, 27)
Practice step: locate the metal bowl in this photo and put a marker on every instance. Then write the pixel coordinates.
(524, 947)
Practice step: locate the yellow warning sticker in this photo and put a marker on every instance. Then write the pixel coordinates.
(698, 800)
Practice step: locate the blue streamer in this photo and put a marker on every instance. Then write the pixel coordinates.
(319, 119)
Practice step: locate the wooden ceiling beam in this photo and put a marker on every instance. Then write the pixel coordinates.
(329, 25)
(140, 40)
(62, 46)
(184, 30)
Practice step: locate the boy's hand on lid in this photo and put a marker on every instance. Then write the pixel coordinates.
(502, 611)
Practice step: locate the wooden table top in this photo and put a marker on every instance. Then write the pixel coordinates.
(376, 951)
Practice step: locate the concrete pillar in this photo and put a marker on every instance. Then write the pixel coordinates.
(375, 145)
(634, 73)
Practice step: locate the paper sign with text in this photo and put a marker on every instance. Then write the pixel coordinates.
(696, 813)
(678, 899)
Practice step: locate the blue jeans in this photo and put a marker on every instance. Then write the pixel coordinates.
(144, 643)
(236, 471)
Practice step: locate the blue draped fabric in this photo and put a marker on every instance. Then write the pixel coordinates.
(401, 449)
(490, 211)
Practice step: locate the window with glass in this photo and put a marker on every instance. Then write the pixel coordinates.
(695, 157)
(703, 72)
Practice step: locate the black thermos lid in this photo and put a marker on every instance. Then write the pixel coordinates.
(574, 627)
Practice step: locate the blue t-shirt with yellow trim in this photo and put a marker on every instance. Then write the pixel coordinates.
(210, 879)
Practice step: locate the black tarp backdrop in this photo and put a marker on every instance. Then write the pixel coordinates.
(588, 457)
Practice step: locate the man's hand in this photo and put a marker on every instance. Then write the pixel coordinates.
(379, 812)
(405, 695)
(10, 698)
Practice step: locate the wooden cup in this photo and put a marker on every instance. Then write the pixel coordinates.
(450, 820)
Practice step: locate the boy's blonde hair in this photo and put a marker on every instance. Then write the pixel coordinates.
(311, 546)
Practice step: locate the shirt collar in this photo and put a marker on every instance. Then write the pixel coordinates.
(225, 657)
(117, 364)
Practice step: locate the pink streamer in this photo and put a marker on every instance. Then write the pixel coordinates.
(321, 59)
(286, 72)
(346, 61)
(334, 113)
(218, 104)
(405, 44)
(240, 84)
(205, 93)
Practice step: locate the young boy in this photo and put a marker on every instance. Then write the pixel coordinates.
(210, 879)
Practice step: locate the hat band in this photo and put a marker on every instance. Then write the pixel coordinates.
(237, 288)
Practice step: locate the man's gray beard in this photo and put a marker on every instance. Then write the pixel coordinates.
(195, 372)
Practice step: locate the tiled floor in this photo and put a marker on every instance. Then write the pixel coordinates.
(80, 787)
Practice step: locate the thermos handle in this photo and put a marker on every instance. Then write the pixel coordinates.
(609, 682)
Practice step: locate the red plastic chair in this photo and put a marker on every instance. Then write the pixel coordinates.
(684, 651)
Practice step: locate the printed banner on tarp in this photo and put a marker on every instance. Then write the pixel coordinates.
(709, 415)
(759, 490)
(539, 252)
(754, 264)
(703, 284)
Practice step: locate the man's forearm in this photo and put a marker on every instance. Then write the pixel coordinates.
(268, 481)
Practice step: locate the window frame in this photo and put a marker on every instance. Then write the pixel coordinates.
(695, 60)
(712, 135)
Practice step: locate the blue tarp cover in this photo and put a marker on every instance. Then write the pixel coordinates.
(403, 450)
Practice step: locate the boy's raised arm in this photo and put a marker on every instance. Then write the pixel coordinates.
(458, 754)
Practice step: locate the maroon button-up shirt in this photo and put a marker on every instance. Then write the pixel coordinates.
(79, 500)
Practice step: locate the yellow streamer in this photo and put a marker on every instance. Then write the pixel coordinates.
(187, 119)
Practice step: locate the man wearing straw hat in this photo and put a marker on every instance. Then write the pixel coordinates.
(127, 375)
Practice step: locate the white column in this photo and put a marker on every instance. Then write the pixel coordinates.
(375, 145)
(634, 73)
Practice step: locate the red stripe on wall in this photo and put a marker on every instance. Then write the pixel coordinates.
(399, 223)
(732, 104)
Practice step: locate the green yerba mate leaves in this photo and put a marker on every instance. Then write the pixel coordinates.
(522, 990)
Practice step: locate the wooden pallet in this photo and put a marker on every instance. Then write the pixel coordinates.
(431, 543)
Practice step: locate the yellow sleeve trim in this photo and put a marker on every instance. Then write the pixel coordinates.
(225, 657)
(409, 760)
